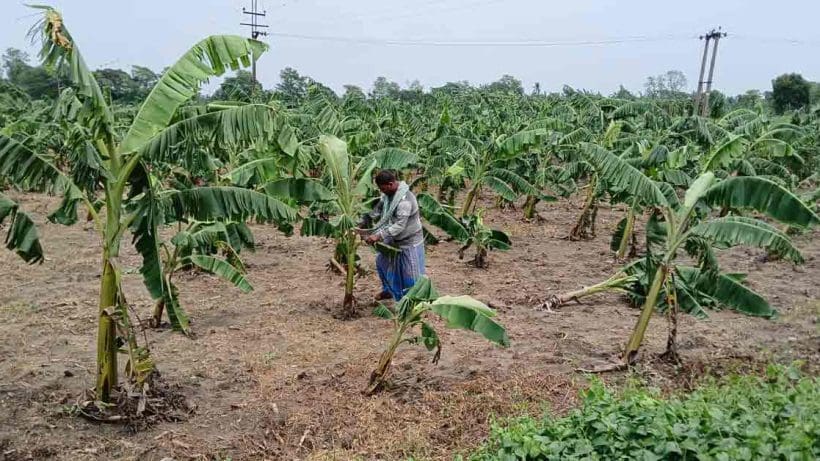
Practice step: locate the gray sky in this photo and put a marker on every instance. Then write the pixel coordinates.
(154, 33)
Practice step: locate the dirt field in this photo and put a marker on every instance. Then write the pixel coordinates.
(273, 375)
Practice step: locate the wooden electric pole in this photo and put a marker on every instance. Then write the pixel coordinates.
(255, 14)
(702, 97)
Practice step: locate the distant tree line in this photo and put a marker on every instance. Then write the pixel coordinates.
(789, 91)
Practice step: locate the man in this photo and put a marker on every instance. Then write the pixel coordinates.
(398, 225)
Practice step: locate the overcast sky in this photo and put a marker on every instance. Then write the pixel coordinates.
(154, 33)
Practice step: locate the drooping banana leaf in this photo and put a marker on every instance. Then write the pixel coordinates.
(467, 313)
(623, 176)
(22, 236)
(303, 190)
(438, 216)
(222, 269)
(226, 203)
(740, 230)
(763, 195)
(209, 58)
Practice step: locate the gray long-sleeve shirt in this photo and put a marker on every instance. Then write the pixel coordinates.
(404, 227)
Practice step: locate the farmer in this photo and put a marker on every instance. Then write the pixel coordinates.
(397, 224)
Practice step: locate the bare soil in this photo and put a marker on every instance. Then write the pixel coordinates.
(273, 375)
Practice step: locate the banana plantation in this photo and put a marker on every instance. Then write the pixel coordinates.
(188, 278)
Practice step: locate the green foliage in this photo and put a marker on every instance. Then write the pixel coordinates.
(240, 87)
(21, 236)
(790, 91)
(776, 417)
(461, 312)
(99, 161)
(469, 230)
(208, 58)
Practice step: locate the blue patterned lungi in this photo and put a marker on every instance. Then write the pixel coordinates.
(399, 273)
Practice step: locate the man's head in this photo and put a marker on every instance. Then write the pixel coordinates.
(387, 182)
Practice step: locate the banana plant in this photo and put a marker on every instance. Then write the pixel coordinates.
(412, 310)
(199, 244)
(469, 230)
(340, 203)
(117, 170)
(486, 164)
(690, 225)
(622, 282)
(585, 225)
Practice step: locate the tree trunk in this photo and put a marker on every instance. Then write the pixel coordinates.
(593, 218)
(156, 317)
(635, 340)
(348, 305)
(480, 259)
(107, 333)
(380, 373)
(626, 238)
(468, 201)
(585, 226)
(529, 207)
(442, 192)
(614, 283)
(671, 353)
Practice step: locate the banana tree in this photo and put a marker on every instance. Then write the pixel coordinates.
(620, 282)
(689, 224)
(411, 311)
(486, 164)
(585, 225)
(469, 230)
(340, 202)
(118, 171)
(200, 245)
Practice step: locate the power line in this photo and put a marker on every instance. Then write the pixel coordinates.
(472, 43)
(417, 9)
(449, 9)
(790, 41)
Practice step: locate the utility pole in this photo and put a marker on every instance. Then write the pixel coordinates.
(255, 14)
(702, 97)
(717, 37)
(699, 93)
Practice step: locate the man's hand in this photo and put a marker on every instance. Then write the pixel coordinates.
(373, 239)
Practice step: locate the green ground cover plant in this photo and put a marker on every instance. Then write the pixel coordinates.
(775, 417)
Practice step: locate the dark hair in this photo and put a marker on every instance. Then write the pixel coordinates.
(385, 176)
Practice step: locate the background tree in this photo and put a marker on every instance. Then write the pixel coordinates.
(119, 84)
(506, 84)
(669, 85)
(36, 81)
(383, 88)
(790, 91)
(240, 87)
(413, 93)
(452, 88)
(292, 87)
(747, 100)
(353, 92)
(717, 104)
(623, 93)
(814, 93)
(144, 79)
